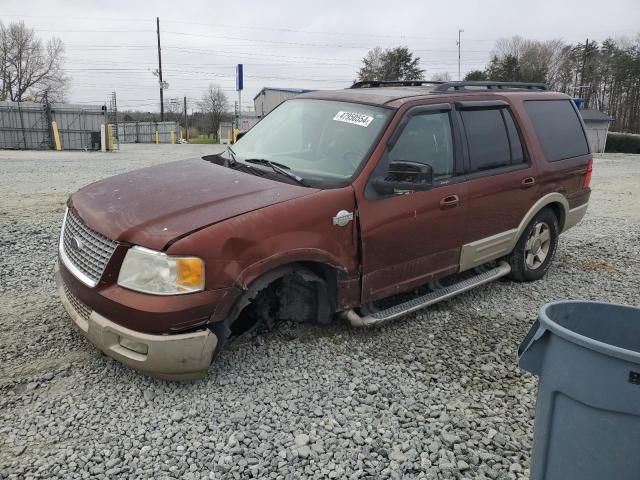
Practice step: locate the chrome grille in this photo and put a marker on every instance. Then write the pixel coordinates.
(84, 251)
(78, 305)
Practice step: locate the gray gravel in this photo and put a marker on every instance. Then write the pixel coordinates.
(435, 395)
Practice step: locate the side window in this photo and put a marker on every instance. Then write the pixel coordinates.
(492, 138)
(558, 128)
(427, 139)
(487, 139)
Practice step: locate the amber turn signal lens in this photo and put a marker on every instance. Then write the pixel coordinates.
(190, 272)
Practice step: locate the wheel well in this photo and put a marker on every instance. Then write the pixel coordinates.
(301, 291)
(558, 211)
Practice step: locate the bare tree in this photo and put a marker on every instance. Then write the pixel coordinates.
(606, 76)
(173, 110)
(29, 68)
(522, 59)
(214, 104)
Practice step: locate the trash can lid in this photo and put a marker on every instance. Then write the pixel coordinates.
(607, 328)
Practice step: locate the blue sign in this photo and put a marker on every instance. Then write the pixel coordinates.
(239, 77)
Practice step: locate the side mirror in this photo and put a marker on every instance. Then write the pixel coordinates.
(404, 176)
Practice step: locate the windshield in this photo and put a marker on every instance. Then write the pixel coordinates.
(315, 139)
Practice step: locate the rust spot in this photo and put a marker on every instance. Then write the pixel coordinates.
(597, 266)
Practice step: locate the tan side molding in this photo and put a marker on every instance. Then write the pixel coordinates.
(489, 248)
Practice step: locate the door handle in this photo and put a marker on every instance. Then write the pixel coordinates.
(449, 201)
(528, 182)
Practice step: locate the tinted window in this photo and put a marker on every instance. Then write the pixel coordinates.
(487, 139)
(558, 128)
(427, 139)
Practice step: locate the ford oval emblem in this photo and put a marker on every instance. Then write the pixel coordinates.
(76, 243)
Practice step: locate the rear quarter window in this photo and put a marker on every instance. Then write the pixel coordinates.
(558, 128)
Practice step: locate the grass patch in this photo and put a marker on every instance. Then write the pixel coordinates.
(202, 139)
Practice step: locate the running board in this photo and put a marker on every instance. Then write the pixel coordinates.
(430, 298)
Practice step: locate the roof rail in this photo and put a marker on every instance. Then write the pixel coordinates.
(462, 85)
(394, 83)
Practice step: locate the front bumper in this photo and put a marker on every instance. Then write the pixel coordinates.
(184, 356)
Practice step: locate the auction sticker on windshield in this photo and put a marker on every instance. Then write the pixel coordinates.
(353, 118)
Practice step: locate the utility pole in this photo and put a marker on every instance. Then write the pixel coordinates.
(186, 119)
(459, 45)
(160, 71)
(584, 61)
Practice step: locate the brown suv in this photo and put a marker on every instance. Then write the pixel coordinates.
(371, 202)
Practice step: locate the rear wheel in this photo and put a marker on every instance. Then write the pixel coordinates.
(534, 252)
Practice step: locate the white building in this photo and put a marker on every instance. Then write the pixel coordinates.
(597, 126)
(247, 120)
(269, 98)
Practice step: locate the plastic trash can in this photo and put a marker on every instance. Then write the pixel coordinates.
(587, 425)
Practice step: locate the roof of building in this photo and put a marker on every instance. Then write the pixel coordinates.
(593, 115)
(287, 90)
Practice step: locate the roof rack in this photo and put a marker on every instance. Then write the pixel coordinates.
(456, 86)
(489, 86)
(394, 83)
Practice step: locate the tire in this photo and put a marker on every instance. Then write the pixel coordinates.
(536, 248)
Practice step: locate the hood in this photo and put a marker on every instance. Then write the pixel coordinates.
(153, 206)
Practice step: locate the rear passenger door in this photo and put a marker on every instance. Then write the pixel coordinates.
(501, 181)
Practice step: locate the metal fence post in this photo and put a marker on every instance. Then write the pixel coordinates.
(53, 134)
(24, 133)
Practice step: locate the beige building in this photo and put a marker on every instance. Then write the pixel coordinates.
(269, 98)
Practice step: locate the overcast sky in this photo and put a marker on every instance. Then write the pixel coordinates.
(111, 45)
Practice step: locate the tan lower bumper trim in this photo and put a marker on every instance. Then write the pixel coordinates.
(173, 357)
(574, 216)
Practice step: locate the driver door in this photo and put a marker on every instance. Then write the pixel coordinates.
(410, 237)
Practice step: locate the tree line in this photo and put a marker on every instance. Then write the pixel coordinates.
(606, 75)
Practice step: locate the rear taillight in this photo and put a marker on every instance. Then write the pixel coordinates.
(586, 180)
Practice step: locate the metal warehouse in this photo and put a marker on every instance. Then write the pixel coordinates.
(269, 98)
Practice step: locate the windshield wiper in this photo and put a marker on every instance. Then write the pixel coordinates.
(262, 161)
(232, 154)
(278, 168)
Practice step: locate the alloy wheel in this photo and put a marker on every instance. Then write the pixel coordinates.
(537, 247)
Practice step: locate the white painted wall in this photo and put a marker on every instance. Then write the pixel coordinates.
(597, 135)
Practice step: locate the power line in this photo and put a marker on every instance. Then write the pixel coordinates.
(402, 36)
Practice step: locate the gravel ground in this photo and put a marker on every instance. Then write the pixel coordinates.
(435, 395)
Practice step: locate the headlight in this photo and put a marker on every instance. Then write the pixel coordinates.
(157, 273)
